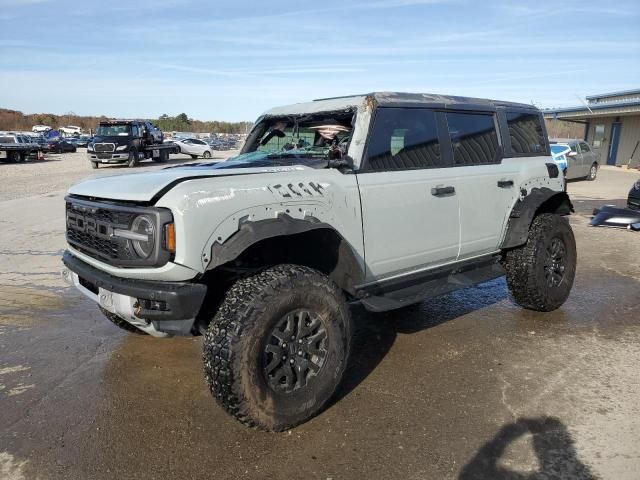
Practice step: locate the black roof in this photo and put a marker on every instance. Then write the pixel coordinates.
(438, 101)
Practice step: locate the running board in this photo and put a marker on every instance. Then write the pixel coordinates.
(384, 296)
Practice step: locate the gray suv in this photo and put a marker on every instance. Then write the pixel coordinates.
(384, 199)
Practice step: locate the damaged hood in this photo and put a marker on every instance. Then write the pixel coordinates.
(150, 186)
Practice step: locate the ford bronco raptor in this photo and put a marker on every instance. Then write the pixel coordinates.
(385, 199)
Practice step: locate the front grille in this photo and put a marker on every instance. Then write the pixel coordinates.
(90, 230)
(104, 147)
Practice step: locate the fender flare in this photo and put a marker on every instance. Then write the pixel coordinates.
(346, 272)
(525, 209)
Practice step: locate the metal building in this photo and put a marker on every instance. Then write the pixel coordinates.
(611, 124)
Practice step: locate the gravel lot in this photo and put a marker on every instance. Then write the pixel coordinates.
(466, 386)
(58, 172)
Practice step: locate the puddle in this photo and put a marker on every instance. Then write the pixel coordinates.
(19, 304)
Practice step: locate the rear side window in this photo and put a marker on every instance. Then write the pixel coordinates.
(525, 131)
(474, 138)
(404, 139)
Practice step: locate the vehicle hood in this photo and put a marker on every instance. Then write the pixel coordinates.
(149, 187)
(116, 140)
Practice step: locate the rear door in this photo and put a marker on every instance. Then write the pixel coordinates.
(487, 186)
(408, 194)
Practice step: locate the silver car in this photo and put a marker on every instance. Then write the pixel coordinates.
(582, 161)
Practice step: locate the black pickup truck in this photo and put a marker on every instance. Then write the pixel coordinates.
(127, 141)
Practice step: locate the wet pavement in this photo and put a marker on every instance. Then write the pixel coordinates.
(465, 386)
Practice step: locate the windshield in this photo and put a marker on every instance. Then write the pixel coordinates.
(116, 130)
(310, 140)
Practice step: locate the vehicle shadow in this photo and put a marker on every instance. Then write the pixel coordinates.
(586, 207)
(552, 444)
(375, 333)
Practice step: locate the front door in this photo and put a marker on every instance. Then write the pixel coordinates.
(615, 140)
(409, 198)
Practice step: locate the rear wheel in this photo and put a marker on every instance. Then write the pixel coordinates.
(593, 172)
(277, 347)
(540, 273)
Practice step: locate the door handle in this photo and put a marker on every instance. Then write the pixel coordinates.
(442, 191)
(505, 183)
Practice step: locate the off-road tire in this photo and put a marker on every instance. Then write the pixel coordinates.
(116, 320)
(94, 164)
(525, 265)
(235, 342)
(133, 159)
(593, 172)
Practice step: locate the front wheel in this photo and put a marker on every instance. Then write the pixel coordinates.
(277, 347)
(540, 273)
(94, 164)
(593, 172)
(133, 159)
(206, 154)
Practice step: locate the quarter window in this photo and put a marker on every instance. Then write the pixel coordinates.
(404, 139)
(474, 138)
(525, 132)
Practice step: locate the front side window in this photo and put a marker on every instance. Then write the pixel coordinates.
(474, 138)
(584, 147)
(404, 139)
(525, 132)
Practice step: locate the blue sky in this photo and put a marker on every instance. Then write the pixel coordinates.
(232, 60)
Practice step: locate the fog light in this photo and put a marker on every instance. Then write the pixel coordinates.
(154, 305)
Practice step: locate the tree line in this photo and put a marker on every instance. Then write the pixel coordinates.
(14, 120)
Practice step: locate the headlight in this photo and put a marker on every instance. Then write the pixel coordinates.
(144, 236)
(89, 147)
(122, 148)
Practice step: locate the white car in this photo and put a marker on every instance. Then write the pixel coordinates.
(40, 129)
(194, 147)
(71, 130)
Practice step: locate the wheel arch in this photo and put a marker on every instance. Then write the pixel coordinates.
(285, 239)
(539, 200)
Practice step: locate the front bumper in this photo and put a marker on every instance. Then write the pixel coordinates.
(158, 308)
(107, 157)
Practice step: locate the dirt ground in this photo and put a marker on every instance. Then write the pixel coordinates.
(466, 386)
